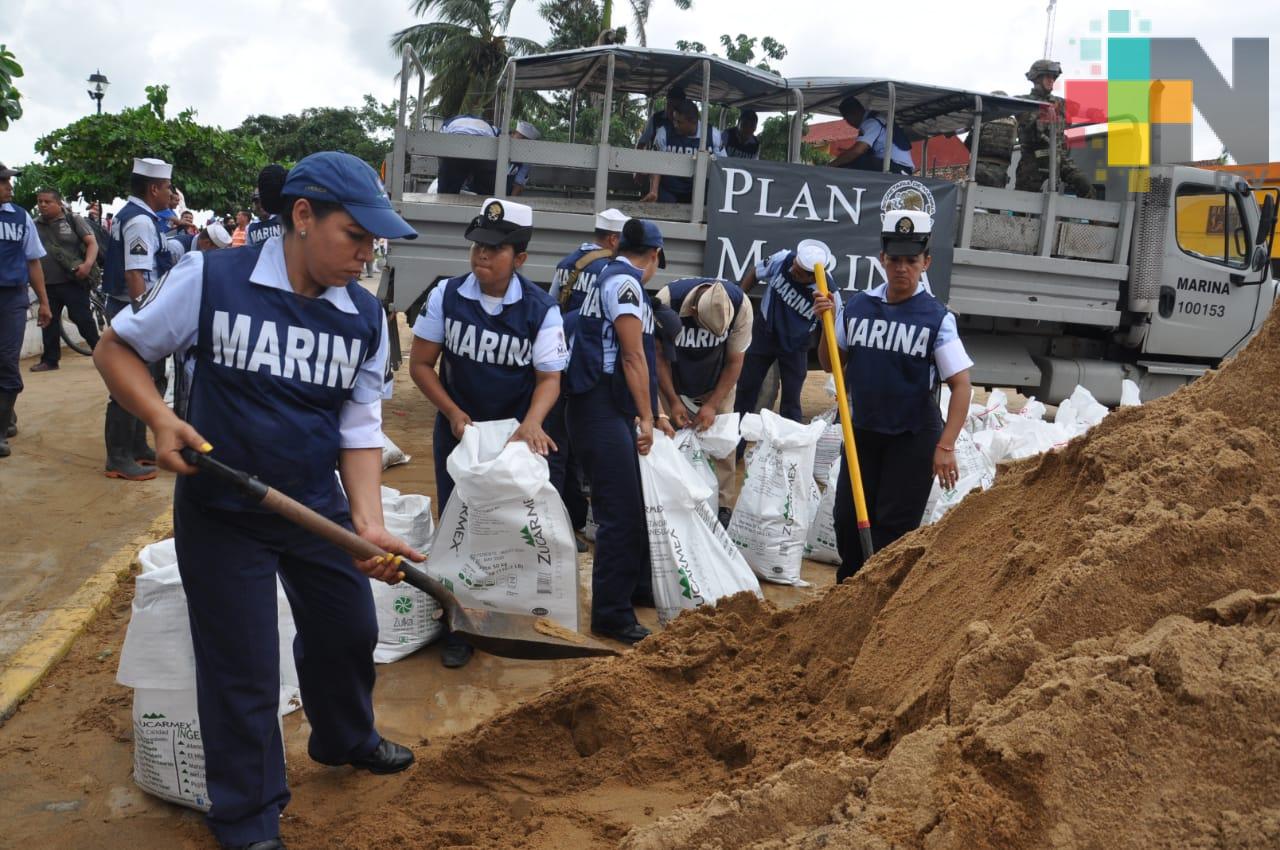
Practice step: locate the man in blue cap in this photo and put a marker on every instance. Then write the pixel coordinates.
(290, 355)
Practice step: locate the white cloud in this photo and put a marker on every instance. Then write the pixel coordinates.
(243, 57)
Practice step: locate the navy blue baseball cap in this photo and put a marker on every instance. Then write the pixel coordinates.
(341, 178)
(642, 233)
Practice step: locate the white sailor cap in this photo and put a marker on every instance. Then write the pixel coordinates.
(158, 169)
(810, 252)
(611, 220)
(218, 235)
(905, 233)
(527, 130)
(501, 222)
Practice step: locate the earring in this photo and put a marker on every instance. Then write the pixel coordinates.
(302, 233)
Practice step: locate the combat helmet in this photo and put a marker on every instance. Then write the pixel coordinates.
(1040, 67)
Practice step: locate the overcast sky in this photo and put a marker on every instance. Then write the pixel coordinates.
(242, 57)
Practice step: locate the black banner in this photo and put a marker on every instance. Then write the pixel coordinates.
(756, 208)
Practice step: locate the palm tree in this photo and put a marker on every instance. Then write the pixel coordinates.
(640, 12)
(464, 51)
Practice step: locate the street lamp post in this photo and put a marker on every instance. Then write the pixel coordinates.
(99, 90)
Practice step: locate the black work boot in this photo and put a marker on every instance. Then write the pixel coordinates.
(143, 454)
(11, 427)
(119, 436)
(6, 416)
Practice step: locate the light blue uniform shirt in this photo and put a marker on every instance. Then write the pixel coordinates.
(549, 351)
(169, 323)
(621, 295)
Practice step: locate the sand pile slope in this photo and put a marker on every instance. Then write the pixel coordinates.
(1166, 739)
(1024, 640)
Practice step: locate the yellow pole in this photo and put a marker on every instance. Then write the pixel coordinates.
(846, 423)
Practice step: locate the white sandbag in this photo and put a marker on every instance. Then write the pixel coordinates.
(505, 540)
(829, 445)
(991, 415)
(391, 453)
(694, 562)
(1129, 394)
(157, 660)
(777, 502)
(689, 447)
(821, 542)
(996, 445)
(702, 448)
(976, 472)
(408, 619)
(1080, 412)
(1028, 437)
(1032, 409)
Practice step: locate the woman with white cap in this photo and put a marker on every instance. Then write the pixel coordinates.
(784, 325)
(499, 340)
(289, 356)
(897, 342)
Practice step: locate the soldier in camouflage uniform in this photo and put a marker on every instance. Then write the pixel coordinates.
(995, 151)
(1036, 132)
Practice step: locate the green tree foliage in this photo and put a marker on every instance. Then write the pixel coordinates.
(364, 132)
(773, 142)
(742, 49)
(10, 108)
(464, 51)
(34, 176)
(93, 157)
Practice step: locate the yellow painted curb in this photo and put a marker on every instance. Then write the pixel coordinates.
(24, 670)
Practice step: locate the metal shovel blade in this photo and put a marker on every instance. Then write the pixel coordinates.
(504, 634)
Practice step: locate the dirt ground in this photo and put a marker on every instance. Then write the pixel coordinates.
(63, 516)
(66, 755)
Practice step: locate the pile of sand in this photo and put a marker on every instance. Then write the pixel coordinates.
(1039, 669)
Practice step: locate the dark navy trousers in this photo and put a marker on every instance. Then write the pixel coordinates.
(793, 368)
(442, 443)
(604, 442)
(13, 324)
(897, 475)
(229, 561)
(564, 466)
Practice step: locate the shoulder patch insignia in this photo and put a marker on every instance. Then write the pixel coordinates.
(138, 247)
(627, 294)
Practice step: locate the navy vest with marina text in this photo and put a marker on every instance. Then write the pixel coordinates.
(689, 145)
(586, 358)
(260, 231)
(113, 272)
(488, 360)
(13, 255)
(586, 277)
(789, 325)
(272, 371)
(700, 355)
(889, 367)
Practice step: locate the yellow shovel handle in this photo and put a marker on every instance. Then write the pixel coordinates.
(846, 422)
